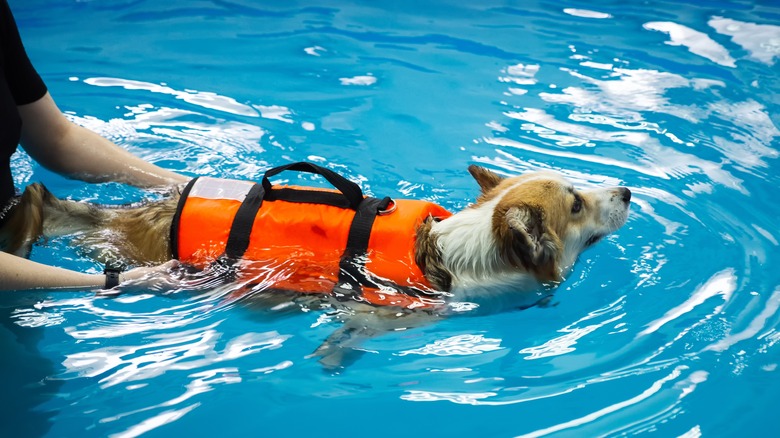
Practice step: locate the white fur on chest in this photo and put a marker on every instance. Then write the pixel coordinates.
(469, 252)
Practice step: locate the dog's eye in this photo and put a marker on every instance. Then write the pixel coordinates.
(577, 206)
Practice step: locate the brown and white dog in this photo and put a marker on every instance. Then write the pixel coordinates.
(523, 232)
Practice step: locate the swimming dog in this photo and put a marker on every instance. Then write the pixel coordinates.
(522, 233)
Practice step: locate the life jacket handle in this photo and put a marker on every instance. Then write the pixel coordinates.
(350, 190)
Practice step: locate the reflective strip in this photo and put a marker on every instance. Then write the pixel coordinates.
(218, 188)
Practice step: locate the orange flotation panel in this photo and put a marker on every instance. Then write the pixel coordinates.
(306, 239)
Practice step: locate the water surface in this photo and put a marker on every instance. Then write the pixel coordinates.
(668, 327)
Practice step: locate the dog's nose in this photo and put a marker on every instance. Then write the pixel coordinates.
(625, 194)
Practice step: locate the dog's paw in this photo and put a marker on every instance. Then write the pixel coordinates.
(547, 302)
(334, 357)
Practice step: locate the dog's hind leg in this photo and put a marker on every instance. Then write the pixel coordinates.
(24, 225)
(340, 348)
(25, 221)
(38, 214)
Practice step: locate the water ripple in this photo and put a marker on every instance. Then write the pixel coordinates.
(191, 349)
(762, 41)
(655, 390)
(461, 345)
(203, 99)
(722, 283)
(696, 42)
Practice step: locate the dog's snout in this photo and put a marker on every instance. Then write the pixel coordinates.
(624, 194)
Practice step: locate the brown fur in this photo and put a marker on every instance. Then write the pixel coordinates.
(147, 229)
(428, 257)
(25, 221)
(135, 235)
(525, 236)
(486, 179)
(525, 240)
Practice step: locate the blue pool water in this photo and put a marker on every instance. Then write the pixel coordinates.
(669, 327)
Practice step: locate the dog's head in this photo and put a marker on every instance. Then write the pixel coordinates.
(541, 222)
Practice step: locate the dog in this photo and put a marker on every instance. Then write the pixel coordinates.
(519, 239)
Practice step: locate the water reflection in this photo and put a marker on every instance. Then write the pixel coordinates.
(457, 346)
(589, 424)
(574, 332)
(586, 13)
(698, 43)
(756, 325)
(204, 99)
(722, 283)
(211, 143)
(621, 101)
(189, 349)
(132, 349)
(156, 421)
(762, 41)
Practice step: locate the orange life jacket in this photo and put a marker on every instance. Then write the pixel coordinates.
(306, 239)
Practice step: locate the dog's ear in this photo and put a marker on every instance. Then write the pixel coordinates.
(529, 241)
(485, 178)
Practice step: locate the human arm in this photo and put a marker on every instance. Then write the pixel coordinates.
(72, 150)
(69, 149)
(17, 273)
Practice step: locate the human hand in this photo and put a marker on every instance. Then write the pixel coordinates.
(150, 278)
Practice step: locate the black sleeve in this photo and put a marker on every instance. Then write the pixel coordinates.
(23, 81)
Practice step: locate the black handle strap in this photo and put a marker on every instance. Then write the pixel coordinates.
(350, 190)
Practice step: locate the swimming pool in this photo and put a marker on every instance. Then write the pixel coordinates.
(667, 328)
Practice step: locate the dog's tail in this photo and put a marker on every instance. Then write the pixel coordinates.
(39, 214)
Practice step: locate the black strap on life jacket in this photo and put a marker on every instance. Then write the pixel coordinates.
(241, 229)
(177, 217)
(352, 269)
(353, 274)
